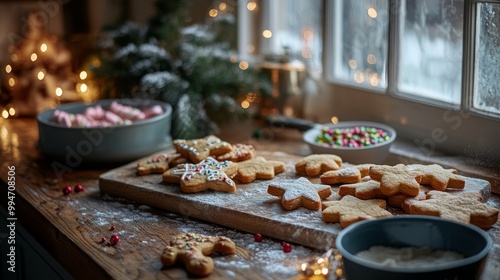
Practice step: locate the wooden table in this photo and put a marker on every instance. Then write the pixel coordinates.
(70, 227)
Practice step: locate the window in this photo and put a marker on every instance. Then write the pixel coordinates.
(425, 67)
(428, 68)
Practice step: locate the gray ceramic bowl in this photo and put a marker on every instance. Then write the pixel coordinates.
(72, 146)
(414, 231)
(370, 154)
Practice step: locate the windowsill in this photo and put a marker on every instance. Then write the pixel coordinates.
(404, 152)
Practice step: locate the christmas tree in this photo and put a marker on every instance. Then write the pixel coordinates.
(192, 67)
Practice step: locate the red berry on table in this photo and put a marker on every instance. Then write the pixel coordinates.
(287, 248)
(114, 239)
(67, 190)
(258, 237)
(79, 188)
(112, 228)
(103, 240)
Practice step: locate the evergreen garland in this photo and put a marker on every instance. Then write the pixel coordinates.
(192, 67)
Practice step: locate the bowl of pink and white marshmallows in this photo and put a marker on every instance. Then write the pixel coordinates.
(106, 131)
(354, 141)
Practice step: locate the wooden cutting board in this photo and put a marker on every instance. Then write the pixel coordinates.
(250, 208)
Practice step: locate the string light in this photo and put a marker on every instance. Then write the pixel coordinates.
(213, 12)
(83, 87)
(83, 75)
(14, 57)
(222, 6)
(5, 114)
(33, 57)
(245, 104)
(353, 64)
(59, 91)
(12, 82)
(43, 47)
(267, 33)
(251, 5)
(12, 111)
(371, 59)
(41, 75)
(334, 120)
(8, 68)
(372, 12)
(243, 65)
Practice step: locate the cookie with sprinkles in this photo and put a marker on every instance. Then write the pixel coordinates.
(207, 174)
(199, 149)
(193, 249)
(300, 192)
(159, 163)
(240, 152)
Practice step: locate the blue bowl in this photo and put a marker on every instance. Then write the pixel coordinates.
(72, 146)
(414, 231)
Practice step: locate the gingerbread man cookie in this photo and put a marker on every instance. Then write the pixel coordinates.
(396, 179)
(466, 207)
(207, 174)
(192, 249)
(350, 210)
(317, 164)
(258, 168)
(240, 152)
(300, 192)
(158, 164)
(438, 177)
(199, 149)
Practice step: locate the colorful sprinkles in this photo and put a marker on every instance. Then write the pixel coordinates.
(355, 137)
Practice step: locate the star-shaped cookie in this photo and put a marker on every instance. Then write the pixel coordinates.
(158, 163)
(350, 210)
(317, 164)
(438, 177)
(199, 149)
(207, 174)
(363, 190)
(396, 179)
(300, 192)
(258, 168)
(466, 208)
(240, 152)
(348, 175)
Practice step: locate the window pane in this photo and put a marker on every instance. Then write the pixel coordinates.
(487, 87)
(430, 54)
(360, 42)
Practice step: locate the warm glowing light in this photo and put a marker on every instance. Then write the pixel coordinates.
(267, 33)
(243, 65)
(251, 97)
(213, 12)
(43, 47)
(12, 111)
(41, 75)
(59, 91)
(353, 64)
(8, 68)
(251, 5)
(372, 12)
(245, 104)
(83, 75)
(374, 79)
(233, 59)
(308, 34)
(371, 59)
(33, 57)
(251, 48)
(334, 120)
(5, 114)
(83, 87)
(12, 82)
(359, 77)
(222, 6)
(14, 57)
